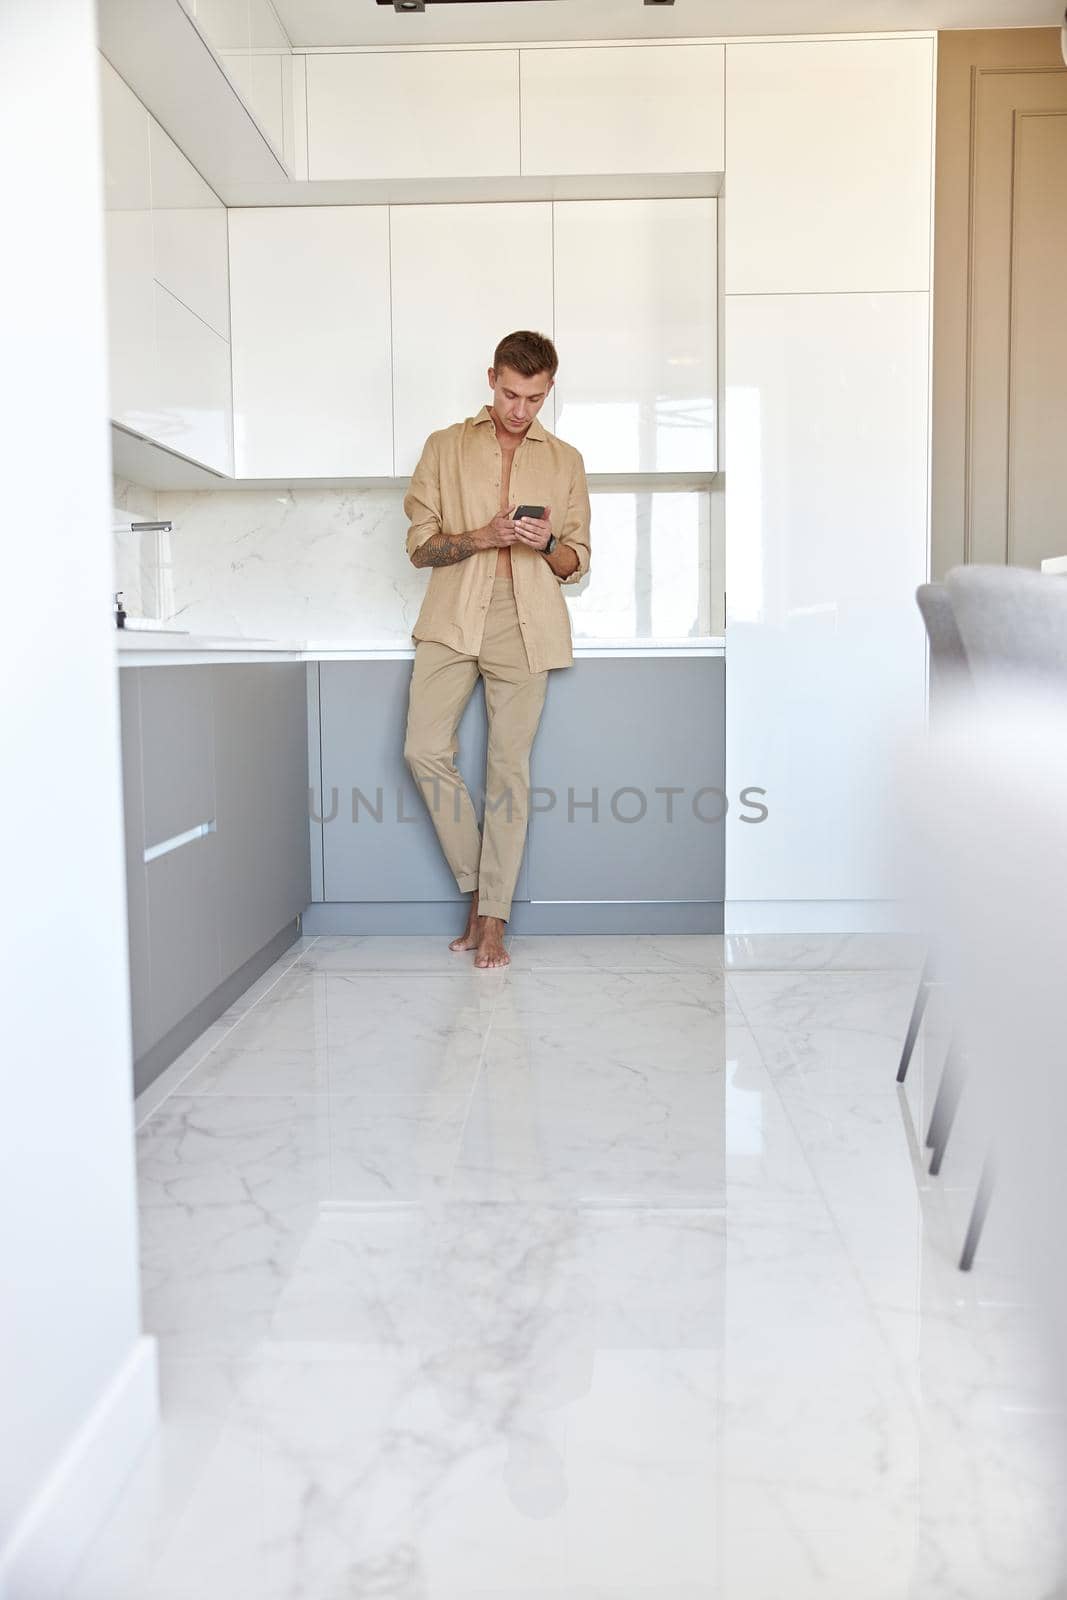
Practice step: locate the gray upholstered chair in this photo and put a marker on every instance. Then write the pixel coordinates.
(949, 669)
(949, 676)
(1012, 626)
(950, 679)
(1012, 621)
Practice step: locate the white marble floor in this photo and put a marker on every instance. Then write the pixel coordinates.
(613, 1276)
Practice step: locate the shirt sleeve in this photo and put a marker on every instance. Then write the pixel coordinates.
(422, 503)
(575, 529)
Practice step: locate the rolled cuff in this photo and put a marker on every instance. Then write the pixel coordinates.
(582, 552)
(494, 908)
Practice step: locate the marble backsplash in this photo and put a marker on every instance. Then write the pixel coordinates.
(330, 564)
(136, 554)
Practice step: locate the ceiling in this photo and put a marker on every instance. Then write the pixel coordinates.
(354, 22)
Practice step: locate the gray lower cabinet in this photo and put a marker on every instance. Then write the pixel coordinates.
(260, 759)
(630, 761)
(641, 739)
(221, 748)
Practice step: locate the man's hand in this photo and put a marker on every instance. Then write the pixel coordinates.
(498, 533)
(534, 531)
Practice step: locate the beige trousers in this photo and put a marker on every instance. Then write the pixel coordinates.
(441, 684)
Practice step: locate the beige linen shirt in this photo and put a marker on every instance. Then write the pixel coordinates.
(456, 489)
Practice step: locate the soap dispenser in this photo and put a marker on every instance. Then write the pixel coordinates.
(120, 615)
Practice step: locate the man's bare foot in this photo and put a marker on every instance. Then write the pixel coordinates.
(491, 952)
(468, 939)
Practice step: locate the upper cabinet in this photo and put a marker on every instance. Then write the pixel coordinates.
(168, 289)
(831, 161)
(426, 114)
(256, 55)
(192, 401)
(270, 78)
(130, 284)
(492, 273)
(311, 347)
(189, 234)
(217, 74)
(344, 363)
(255, 51)
(623, 109)
(636, 302)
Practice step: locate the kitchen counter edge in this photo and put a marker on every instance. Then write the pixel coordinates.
(144, 649)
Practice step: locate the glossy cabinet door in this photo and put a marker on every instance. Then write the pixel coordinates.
(826, 522)
(636, 311)
(189, 231)
(491, 274)
(227, 27)
(167, 288)
(311, 348)
(254, 52)
(130, 291)
(193, 410)
(225, 745)
(831, 158)
(270, 84)
(423, 114)
(634, 842)
(260, 766)
(624, 108)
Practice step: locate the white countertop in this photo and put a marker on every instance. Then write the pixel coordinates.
(139, 647)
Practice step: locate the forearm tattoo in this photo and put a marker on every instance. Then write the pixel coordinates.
(444, 549)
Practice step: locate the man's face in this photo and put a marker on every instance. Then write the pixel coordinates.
(517, 400)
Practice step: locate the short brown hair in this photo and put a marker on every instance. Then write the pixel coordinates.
(527, 354)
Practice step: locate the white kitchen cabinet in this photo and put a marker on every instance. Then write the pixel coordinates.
(189, 230)
(422, 114)
(491, 268)
(624, 108)
(192, 411)
(227, 27)
(270, 85)
(309, 290)
(830, 165)
(636, 311)
(130, 294)
(826, 451)
(167, 288)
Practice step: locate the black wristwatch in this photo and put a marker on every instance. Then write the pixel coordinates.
(551, 545)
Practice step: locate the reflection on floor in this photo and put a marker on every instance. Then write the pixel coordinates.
(613, 1276)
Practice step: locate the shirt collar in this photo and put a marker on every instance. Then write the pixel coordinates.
(535, 431)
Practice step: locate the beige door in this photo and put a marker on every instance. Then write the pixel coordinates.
(1000, 334)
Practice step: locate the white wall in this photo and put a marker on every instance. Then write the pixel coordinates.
(77, 1391)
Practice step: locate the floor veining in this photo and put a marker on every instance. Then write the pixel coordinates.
(614, 1275)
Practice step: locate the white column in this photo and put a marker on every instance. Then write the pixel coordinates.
(78, 1381)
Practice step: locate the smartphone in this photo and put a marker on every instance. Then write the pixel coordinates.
(537, 512)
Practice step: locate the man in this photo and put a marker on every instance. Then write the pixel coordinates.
(494, 607)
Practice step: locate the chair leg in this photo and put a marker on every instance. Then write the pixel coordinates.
(921, 996)
(946, 1104)
(979, 1212)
